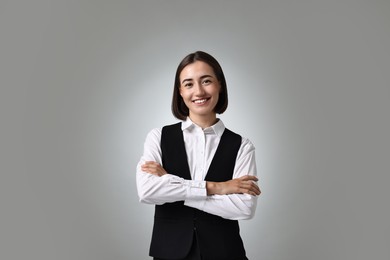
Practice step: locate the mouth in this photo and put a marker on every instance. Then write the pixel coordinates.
(200, 101)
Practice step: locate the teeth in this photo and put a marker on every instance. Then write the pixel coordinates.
(200, 101)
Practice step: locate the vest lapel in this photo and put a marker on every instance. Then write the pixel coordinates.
(174, 156)
(224, 160)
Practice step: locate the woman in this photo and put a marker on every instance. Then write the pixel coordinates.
(200, 175)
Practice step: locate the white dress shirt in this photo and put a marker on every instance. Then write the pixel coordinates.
(201, 145)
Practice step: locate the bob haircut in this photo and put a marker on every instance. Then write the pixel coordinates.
(179, 109)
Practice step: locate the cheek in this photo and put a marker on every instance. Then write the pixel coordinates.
(218, 91)
(184, 93)
(219, 87)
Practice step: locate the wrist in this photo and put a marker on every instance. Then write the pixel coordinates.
(213, 188)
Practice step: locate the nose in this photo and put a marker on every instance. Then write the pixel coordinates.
(199, 89)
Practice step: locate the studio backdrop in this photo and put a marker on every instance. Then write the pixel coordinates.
(83, 82)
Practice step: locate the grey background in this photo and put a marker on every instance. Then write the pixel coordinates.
(82, 82)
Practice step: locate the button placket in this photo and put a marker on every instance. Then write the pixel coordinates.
(200, 155)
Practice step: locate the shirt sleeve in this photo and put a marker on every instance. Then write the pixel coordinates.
(233, 206)
(153, 189)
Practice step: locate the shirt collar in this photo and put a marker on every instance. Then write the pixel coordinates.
(217, 128)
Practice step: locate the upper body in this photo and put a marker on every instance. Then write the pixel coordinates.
(200, 93)
(201, 145)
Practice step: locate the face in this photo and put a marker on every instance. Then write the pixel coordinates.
(199, 88)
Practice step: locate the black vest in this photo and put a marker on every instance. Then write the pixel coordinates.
(175, 224)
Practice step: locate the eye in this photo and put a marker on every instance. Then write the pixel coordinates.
(188, 85)
(206, 82)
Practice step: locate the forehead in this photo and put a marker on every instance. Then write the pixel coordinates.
(196, 70)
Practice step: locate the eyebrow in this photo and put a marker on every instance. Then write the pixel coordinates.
(202, 77)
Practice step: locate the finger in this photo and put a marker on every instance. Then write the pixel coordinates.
(254, 186)
(153, 168)
(249, 178)
(248, 191)
(148, 168)
(255, 189)
(254, 192)
(250, 188)
(249, 184)
(153, 172)
(151, 163)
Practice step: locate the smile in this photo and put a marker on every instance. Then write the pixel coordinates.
(200, 101)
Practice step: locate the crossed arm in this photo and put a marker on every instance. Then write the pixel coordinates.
(245, 184)
(233, 199)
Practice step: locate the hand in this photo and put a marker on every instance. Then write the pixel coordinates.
(245, 184)
(153, 168)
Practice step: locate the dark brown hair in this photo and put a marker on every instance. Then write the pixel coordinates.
(179, 108)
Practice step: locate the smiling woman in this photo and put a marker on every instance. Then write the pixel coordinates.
(200, 175)
(200, 91)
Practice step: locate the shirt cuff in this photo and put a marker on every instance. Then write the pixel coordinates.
(196, 189)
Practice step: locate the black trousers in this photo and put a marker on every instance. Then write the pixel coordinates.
(194, 253)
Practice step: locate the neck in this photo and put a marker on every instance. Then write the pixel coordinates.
(204, 121)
